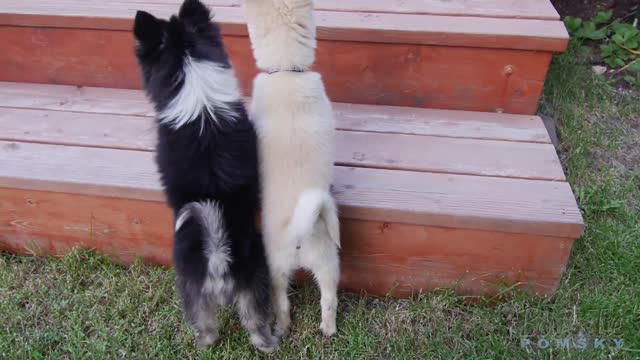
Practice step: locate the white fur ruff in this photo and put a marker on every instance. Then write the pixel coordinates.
(207, 88)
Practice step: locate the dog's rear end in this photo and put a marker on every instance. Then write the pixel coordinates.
(296, 137)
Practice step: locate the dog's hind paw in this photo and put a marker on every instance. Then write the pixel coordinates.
(266, 344)
(206, 339)
(328, 330)
(281, 331)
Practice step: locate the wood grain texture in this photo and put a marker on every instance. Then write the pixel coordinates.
(541, 35)
(42, 223)
(354, 148)
(457, 201)
(349, 117)
(443, 77)
(448, 155)
(379, 258)
(80, 129)
(135, 132)
(525, 9)
(434, 122)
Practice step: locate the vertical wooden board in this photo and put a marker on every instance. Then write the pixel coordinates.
(70, 57)
(379, 258)
(435, 76)
(404, 259)
(45, 223)
(355, 72)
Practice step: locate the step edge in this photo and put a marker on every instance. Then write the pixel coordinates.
(546, 35)
(573, 229)
(338, 109)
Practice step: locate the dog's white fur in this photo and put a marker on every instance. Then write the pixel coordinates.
(207, 87)
(296, 132)
(283, 33)
(296, 137)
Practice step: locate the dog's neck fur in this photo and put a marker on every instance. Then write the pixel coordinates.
(282, 34)
(208, 89)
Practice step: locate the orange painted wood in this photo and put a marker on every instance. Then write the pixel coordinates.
(443, 77)
(447, 200)
(354, 148)
(525, 9)
(43, 223)
(349, 117)
(507, 33)
(410, 258)
(379, 258)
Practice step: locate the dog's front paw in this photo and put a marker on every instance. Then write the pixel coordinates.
(328, 329)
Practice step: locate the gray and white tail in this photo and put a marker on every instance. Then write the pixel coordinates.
(207, 216)
(314, 205)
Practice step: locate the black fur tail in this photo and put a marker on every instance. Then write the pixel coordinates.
(202, 257)
(201, 249)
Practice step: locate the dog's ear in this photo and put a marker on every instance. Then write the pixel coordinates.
(194, 12)
(147, 28)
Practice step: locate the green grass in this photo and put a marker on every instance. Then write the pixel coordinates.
(83, 306)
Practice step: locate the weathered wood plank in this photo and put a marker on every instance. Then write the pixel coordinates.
(523, 9)
(74, 99)
(80, 129)
(445, 77)
(354, 148)
(457, 201)
(379, 258)
(448, 155)
(541, 35)
(434, 122)
(349, 117)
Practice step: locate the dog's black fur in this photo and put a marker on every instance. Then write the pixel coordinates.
(208, 167)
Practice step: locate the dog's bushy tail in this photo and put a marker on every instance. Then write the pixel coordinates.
(200, 232)
(201, 256)
(314, 205)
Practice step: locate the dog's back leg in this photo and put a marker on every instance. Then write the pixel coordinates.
(200, 255)
(191, 275)
(280, 281)
(199, 310)
(321, 257)
(255, 317)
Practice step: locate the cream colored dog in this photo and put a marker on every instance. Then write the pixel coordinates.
(294, 120)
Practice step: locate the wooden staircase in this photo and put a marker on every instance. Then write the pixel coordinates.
(432, 192)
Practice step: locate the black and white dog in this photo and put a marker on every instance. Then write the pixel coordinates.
(208, 162)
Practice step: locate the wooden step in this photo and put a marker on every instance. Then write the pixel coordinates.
(476, 55)
(428, 198)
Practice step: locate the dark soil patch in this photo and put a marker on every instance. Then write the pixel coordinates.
(623, 10)
(588, 8)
